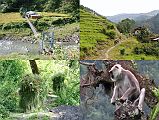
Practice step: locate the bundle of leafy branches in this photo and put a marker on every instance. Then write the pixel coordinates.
(32, 92)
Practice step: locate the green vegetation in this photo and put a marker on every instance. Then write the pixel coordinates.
(96, 33)
(21, 91)
(147, 49)
(143, 35)
(100, 38)
(126, 26)
(13, 23)
(155, 112)
(59, 16)
(131, 47)
(152, 23)
(53, 12)
(40, 5)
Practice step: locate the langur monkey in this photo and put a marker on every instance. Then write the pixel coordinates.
(126, 86)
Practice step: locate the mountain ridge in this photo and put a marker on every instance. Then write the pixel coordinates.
(134, 16)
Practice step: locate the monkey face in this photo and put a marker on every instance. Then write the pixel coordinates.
(115, 71)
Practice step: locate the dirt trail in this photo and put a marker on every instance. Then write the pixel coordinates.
(105, 55)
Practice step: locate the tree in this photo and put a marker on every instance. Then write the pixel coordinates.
(143, 35)
(126, 25)
(34, 67)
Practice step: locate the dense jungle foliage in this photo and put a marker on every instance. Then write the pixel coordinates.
(65, 6)
(22, 91)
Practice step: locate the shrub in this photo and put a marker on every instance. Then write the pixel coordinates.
(103, 31)
(58, 81)
(147, 48)
(137, 50)
(4, 113)
(110, 26)
(122, 51)
(111, 34)
(6, 26)
(63, 21)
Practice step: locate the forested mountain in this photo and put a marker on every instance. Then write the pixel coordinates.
(152, 24)
(136, 17)
(64, 6)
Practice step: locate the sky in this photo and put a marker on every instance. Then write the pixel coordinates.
(113, 7)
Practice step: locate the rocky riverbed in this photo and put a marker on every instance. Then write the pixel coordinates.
(29, 45)
(20, 45)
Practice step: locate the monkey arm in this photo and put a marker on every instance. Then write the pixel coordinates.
(115, 95)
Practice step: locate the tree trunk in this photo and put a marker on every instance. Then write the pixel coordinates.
(34, 67)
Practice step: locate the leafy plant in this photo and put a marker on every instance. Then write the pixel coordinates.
(10, 75)
(126, 26)
(155, 111)
(69, 94)
(58, 81)
(122, 51)
(4, 113)
(111, 34)
(31, 88)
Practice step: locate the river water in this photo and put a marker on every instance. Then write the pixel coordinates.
(19, 47)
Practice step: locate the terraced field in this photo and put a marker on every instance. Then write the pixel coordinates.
(96, 33)
(13, 24)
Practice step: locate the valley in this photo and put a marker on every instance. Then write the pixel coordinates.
(53, 35)
(132, 39)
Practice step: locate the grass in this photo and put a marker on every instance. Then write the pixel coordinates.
(92, 39)
(13, 24)
(11, 17)
(66, 30)
(16, 17)
(50, 14)
(32, 116)
(129, 45)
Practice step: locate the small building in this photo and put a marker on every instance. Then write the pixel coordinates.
(155, 39)
(137, 30)
(32, 14)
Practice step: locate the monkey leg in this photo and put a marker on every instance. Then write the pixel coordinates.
(141, 98)
(136, 102)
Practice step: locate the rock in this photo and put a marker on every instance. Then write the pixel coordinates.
(127, 111)
(67, 113)
(71, 38)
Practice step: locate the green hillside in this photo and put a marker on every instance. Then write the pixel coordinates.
(96, 34)
(128, 47)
